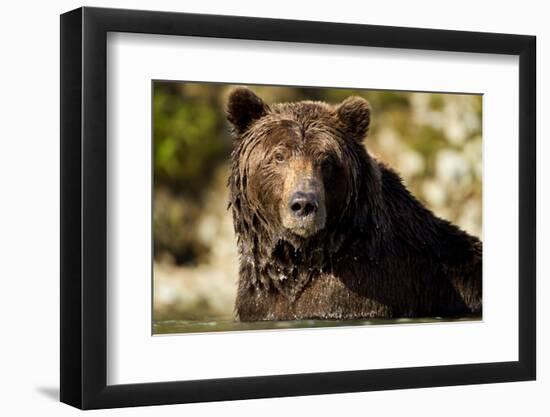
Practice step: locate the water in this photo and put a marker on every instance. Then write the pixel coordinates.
(229, 324)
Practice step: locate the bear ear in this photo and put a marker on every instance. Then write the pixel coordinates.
(354, 113)
(243, 108)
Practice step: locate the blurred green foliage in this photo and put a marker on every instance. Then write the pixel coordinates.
(190, 138)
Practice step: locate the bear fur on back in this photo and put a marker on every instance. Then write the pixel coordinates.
(378, 252)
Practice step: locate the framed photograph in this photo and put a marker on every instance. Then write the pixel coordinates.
(258, 208)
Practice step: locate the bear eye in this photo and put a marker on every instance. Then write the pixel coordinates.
(328, 164)
(279, 157)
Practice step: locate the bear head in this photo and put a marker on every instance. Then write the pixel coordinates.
(300, 173)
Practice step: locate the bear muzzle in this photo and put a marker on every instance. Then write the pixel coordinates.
(304, 214)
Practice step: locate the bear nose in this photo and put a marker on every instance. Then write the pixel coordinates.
(301, 204)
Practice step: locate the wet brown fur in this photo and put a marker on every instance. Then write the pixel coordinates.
(379, 253)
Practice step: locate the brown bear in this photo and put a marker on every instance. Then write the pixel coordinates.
(326, 231)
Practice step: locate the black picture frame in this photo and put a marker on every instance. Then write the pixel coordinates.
(84, 207)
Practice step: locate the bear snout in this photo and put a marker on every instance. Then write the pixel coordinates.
(303, 204)
(304, 212)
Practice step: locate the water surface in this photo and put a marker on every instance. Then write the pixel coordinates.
(229, 324)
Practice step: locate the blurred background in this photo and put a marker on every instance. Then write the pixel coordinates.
(432, 140)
